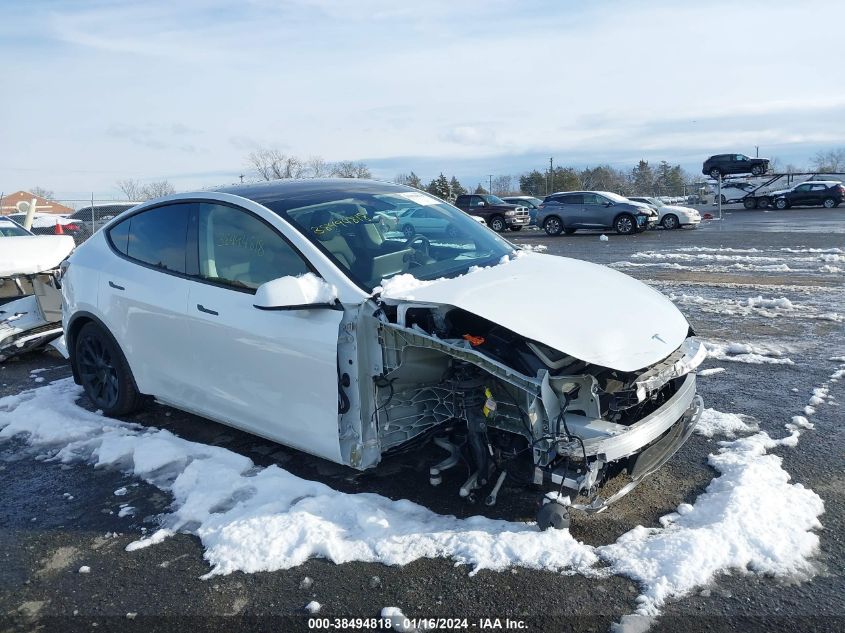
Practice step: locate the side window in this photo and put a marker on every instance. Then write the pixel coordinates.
(159, 237)
(574, 198)
(591, 198)
(119, 235)
(802, 188)
(239, 250)
(475, 201)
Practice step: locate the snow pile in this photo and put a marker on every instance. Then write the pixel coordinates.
(315, 289)
(710, 372)
(401, 285)
(714, 422)
(263, 519)
(603, 237)
(813, 250)
(398, 620)
(745, 353)
(313, 607)
(686, 257)
(830, 269)
(534, 248)
(750, 518)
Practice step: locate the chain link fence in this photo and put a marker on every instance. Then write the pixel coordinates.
(78, 217)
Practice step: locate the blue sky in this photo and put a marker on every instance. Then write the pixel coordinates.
(93, 92)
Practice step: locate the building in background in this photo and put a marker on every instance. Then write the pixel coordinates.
(10, 204)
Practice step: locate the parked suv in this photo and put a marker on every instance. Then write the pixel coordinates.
(572, 210)
(824, 193)
(498, 214)
(725, 164)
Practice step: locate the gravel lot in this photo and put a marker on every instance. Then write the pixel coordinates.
(45, 537)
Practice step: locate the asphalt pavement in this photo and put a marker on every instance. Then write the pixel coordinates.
(45, 538)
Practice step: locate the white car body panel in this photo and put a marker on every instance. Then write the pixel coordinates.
(31, 254)
(685, 215)
(588, 311)
(270, 372)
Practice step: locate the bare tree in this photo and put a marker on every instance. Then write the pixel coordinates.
(316, 167)
(351, 169)
(41, 192)
(271, 164)
(130, 188)
(502, 185)
(157, 189)
(832, 161)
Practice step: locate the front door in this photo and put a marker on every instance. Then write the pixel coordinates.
(270, 372)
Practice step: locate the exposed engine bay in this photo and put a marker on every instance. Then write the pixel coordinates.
(515, 409)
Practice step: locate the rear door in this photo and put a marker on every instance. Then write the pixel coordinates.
(143, 296)
(594, 211)
(270, 372)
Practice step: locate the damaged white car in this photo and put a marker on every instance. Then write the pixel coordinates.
(287, 310)
(30, 302)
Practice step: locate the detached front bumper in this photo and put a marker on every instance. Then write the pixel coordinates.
(23, 326)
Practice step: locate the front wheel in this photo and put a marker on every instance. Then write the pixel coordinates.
(553, 226)
(104, 372)
(763, 203)
(723, 199)
(670, 222)
(498, 224)
(758, 170)
(516, 228)
(715, 174)
(781, 204)
(408, 231)
(625, 225)
(451, 231)
(829, 203)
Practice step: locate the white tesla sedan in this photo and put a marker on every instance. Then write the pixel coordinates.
(283, 309)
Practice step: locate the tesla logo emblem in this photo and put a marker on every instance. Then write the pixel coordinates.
(657, 336)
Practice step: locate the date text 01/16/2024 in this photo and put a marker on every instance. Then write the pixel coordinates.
(410, 624)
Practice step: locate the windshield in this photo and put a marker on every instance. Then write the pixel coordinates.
(10, 229)
(655, 202)
(491, 199)
(389, 230)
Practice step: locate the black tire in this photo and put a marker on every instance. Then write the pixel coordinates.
(829, 203)
(750, 203)
(570, 231)
(723, 199)
(104, 372)
(758, 170)
(498, 224)
(763, 203)
(451, 231)
(625, 224)
(516, 228)
(553, 225)
(781, 204)
(409, 231)
(670, 221)
(715, 173)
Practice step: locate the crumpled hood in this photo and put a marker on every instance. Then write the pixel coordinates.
(30, 254)
(588, 311)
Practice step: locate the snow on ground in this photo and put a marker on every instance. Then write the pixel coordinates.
(714, 422)
(751, 518)
(757, 354)
(767, 307)
(710, 372)
(774, 268)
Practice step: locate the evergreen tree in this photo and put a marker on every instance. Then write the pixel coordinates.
(440, 187)
(480, 189)
(411, 180)
(642, 178)
(457, 187)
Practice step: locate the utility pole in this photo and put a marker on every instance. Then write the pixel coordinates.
(551, 175)
(242, 178)
(490, 190)
(757, 151)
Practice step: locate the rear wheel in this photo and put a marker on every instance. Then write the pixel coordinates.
(763, 203)
(625, 225)
(553, 226)
(723, 199)
(104, 372)
(750, 203)
(829, 203)
(670, 222)
(408, 231)
(451, 231)
(781, 203)
(758, 170)
(498, 224)
(715, 173)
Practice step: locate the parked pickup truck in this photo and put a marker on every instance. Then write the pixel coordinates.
(498, 214)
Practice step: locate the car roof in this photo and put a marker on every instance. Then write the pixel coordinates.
(275, 190)
(819, 182)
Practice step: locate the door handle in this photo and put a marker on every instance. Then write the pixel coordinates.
(201, 308)
(115, 286)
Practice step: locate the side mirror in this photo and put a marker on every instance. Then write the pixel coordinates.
(482, 204)
(608, 204)
(305, 292)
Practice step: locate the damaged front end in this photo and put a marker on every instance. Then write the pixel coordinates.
(515, 408)
(30, 312)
